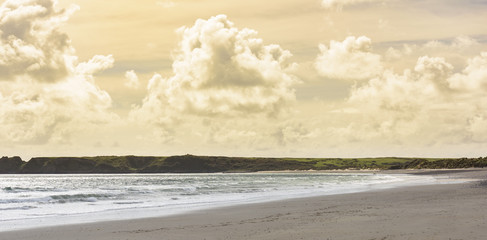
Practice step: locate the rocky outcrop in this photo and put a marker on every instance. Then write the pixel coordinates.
(10, 165)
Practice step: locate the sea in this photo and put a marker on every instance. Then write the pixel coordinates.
(31, 201)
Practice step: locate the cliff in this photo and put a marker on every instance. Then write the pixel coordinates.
(209, 164)
(10, 165)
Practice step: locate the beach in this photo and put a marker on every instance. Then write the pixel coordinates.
(440, 211)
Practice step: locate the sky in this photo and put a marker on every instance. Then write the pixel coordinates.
(287, 78)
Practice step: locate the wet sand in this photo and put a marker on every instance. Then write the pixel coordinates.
(442, 211)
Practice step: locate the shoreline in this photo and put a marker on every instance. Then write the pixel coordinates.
(390, 213)
(132, 213)
(387, 171)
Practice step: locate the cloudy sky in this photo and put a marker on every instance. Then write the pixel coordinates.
(303, 78)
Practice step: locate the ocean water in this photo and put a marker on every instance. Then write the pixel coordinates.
(29, 201)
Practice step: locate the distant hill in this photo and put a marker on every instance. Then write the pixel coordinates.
(209, 164)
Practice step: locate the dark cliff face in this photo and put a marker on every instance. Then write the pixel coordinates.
(112, 164)
(70, 165)
(10, 165)
(34, 165)
(139, 162)
(59, 165)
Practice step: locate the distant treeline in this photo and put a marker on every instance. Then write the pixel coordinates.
(208, 164)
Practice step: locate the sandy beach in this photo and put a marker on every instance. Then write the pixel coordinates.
(442, 211)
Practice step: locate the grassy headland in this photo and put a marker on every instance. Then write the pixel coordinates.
(207, 164)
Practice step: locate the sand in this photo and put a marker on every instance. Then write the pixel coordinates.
(444, 211)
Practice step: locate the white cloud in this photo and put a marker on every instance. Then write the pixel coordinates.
(456, 51)
(339, 4)
(392, 92)
(463, 42)
(132, 79)
(430, 104)
(220, 70)
(398, 54)
(473, 77)
(96, 64)
(44, 92)
(351, 59)
(30, 44)
(408, 92)
(435, 70)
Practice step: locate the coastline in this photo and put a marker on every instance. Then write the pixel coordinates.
(438, 211)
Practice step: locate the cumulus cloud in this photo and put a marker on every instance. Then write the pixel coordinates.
(455, 51)
(132, 79)
(339, 4)
(430, 77)
(30, 42)
(428, 103)
(436, 98)
(96, 64)
(220, 70)
(435, 70)
(43, 87)
(351, 59)
(397, 54)
(426, 81)
(473, 77)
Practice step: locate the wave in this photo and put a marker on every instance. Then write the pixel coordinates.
(59, 199)
(68, 198)
(128, 203)
(18, 208)
(26, 200)
(36, 189)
